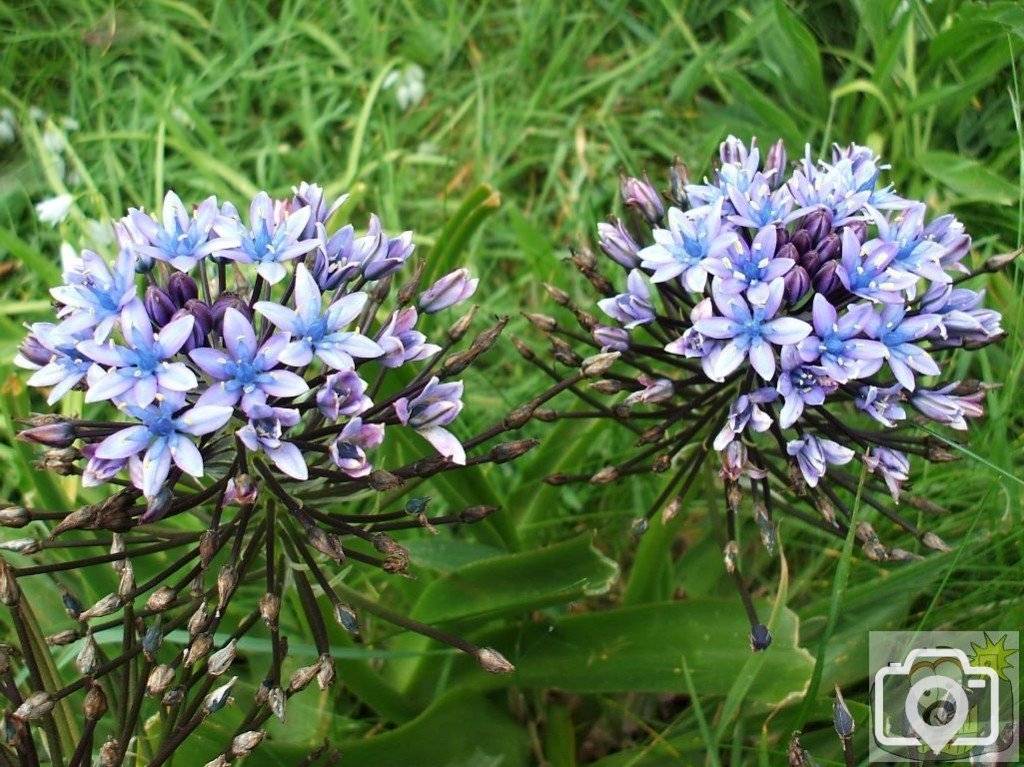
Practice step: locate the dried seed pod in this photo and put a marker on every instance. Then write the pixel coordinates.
(36, 706)
(95, 702)
(221, 660)
(88, 656)
(200, 646)
(244, 744)
(270, 608)
(159, 680)
(111, 603)
(219, 698)
(302, 676)
(492, 661)
(14, 516)
(277, 700)
(161, 599)
(325, 676)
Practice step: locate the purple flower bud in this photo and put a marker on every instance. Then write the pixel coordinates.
(312, 196)
(618, 244)
(159, 305)
(818, 224)
(227, 301)
(32, 349)
(181, 288)
(797, 282)
(781, 237)
(99, 471)
(348, 451)
(452, 289)
(611, 339)
(826, 281)
(242, 490)
(810, 261)
(342, 394)
(58, 433)
(775, 164)
(641, 194)
(203, 323)
(633, 307)
(336, 260)
(829, 247)
(733, 150)
(655, 390)
(860, 230)
(801, 240)
(679, 179)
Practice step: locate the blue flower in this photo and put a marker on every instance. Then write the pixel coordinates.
(436, 406)
(750, 331)
(751, 268)
(401, 342)
(143, 368)
(899, 334)
(837, 344)
(680, 250)
(244, 370)
(165, 438)
(263, 434)
(271, 238)
(800, 385)
(95, 294)
(916, 253)
(55, 359)
(380, 256)
(317, 332)
(865, 270)
(633, 307)
(180, 240)
(814, 454)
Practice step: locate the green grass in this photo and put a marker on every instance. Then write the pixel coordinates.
(545, 102)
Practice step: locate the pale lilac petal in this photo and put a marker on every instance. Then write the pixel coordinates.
(155, 467)
(124, 443)
(784, 331)
(105, 353)
(823, 315)
(762, 359)
(213, 362)
(203, 419)
(296, 354)
(344, 310)
(175, 376)
(271, 271)
(446, 443)
(717, 327)
(281, 316)
(186, 455)
(174, 335)
(288, 458)
(110, 384)
(725, 361)
(239, 336)
(307, 294)
(283, 383)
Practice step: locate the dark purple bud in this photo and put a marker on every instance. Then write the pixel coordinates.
(57, 434)
(181, 288)
(641, 194)
(797, 282)
(859, 228)
(781, 235)
(159, 305)
(801, 240)
(826, 281)
(811, 261)
(818, 224)
(227, 301)
(786, 250)
(32, 350)
(828, 248)
(200, 328)
(775, 164)
(732, 150)
(760, 637)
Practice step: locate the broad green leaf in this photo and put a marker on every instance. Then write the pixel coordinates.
(460, 730)
(793, 48)
(967, 178)
(641, 649)
(518, 582)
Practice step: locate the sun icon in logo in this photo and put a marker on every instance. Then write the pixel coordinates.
(994, 655)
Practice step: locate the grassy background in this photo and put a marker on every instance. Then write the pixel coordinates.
(546, 101)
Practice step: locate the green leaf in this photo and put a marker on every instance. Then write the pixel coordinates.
(21, 251)
(967, 178)
(795, 51)
(641, 649)
(518, 582)
(462, 729)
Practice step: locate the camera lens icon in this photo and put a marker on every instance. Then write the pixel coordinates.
(939, 711)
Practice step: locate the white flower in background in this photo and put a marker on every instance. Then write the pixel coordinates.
(54, 209)
(409, 85)
(69, 123)
(8, 126)
(37, 114)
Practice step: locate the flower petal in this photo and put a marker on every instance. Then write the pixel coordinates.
(124, 443)
(446, 443)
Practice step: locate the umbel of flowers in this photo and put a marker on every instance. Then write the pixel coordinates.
(248, 369)
(794, 321)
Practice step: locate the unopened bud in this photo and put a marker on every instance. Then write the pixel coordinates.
(56, 433)
(760, 637)
(560, 296)
(1001, 261)
(173, 697)
(152, 641)
(126, 585)
(564, 353)
(81, 519)
(494, 662)
(639, 526)
(902, 555)
(524, 351)
(472, 514)
(842, 719)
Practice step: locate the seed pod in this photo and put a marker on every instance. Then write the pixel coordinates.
(161, 599)
(111, 603)
(14, 516)
(109, 753)
(492, 661)
(23, 546)
(159, 680)
(227, 580)
(326, 543)
(36, 706)
(221, 660)
(605, 476)
(207, 548)
(475, 513)
(760, 637)
(80, 519)
(152, 640)
(671, 510)
(325, 677)
(302, 676)
(731, 555)
(88, 656)
(62, 638)
(95, 703)
(199, 647)
(346, 616)
(597, 365)
(277, 701)
(219, 698)
(117, 549)
(197, 622)
(270, 608)
(127, 583)
(174, 696)
(10, 592)
(220, 761)
(382, 481)
(244, 744)
(842, 719)
(542, 322)
(933, 542)
(509, 451)
(461, 326)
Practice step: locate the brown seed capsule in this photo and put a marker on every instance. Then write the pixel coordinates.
(277, 701)
(219, 698)
(14, 516)
(207, 547)
(461, 326)
(174, 696)
(36, 706)
(117, 549)
(382, 481)
(95, 703)
(492, 661)
(902, 555)
(302, 676)
(509, 451)
(661, 464)
(605, 476)
(62, 638)
(731, 555)
(671, 510)
(221, 660)
(346, 616)
(518, 417)
(244, 744)
(88, 657)
(556, 479)
(127, 583)
(651, 435)
(935, 543)
(159, 680)
(326, 543)
(325, 677)
(109, 754)
(564, 353)
(559, 295)
(161, 599)
(472, 514)
(197, 622)
(82, 519)
(827, 510)
(270, 608)
(199, 647)
(220, 761)
(227, 580)
(111, 603)
(542, 322)
(524, 351)
(607, 386)
(408, 291)
(10, 592)
(599, 364)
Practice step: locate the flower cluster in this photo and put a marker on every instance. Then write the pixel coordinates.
(258, 366)
(790, 319)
